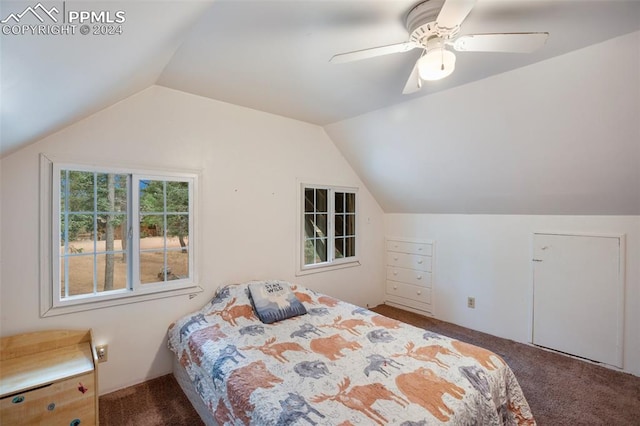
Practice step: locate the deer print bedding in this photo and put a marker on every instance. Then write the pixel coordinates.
(338, 364)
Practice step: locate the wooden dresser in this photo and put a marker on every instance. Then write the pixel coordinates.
(49, 378)
(410, 274)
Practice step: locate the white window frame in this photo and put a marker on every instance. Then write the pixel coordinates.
(331, 263)
(51, 303)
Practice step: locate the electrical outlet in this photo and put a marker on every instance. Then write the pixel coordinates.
(102, 351)
(471, 302)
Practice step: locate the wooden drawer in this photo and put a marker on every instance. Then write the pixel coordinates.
(59, 403)
(409, 291)
(408, 247)
(411, 276)
(410, 261)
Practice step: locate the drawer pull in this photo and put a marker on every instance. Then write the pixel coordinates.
(395, 257)
(419, 292)
(82, 388)
(395, 287)
(17, 399)
(420, 262)
(419, 248)
(395, 272)
(74, 422)
(419, 277)
(51, 407)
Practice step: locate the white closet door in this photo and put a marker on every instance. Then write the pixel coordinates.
(578, 291)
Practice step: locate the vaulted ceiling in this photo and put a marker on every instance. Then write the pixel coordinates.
(273, 55)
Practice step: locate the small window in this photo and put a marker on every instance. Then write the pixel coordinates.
(328, 235)
(117, 236)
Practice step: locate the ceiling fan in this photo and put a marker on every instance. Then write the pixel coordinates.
(434, 25)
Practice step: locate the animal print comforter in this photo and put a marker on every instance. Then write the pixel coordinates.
(338, 365)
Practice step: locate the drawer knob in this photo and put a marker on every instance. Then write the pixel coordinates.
(395, 272)
(51, 407)
(419, 248)
(419, 292)
(419, 277)
(395, 257)
(420, 262)
(74, 422)
(17, 399)
(395, 287)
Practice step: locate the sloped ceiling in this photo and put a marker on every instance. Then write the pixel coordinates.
(50, 81)
(558, 137)
(272, 55)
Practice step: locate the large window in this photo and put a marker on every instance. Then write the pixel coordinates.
(328, 236)
(117, 236)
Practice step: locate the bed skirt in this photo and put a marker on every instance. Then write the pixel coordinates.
(182, 377)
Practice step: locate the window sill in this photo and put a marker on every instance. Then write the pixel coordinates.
(327, 268)
(50, 311)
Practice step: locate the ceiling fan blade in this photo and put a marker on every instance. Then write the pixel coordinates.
(413, 83)
(372, 52)
(453, 12)
(503, 42)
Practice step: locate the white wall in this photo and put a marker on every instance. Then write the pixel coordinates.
(489, 257)
(250, 162)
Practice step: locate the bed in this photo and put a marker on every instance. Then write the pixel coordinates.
(336, 364)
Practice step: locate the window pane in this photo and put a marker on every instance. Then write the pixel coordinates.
(111, 272)
(178, 263)
(178, 197)
(80, 190)
(121, 192)
(350, 202)
(321, 250)
(339, 248)
(321, 225)
(339, 231)
(351, 224)
(84, 232)
(339, 202)
(80, 270)
(79, 232)
(321, 200)
(152, 267)
(309, 228)
(152, 195)
(178, 230)
(151, 226)
(308, 200)
(309, 252)
(112, 192)
(110, 232)
(164, 231)
(350, 247)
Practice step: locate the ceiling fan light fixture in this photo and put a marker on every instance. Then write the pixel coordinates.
(436, 64)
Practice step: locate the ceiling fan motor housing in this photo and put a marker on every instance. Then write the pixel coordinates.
(421, 23)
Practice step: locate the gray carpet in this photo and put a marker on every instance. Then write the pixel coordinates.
(560, 390)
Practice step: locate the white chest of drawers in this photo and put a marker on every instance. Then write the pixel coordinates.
(409, 282)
